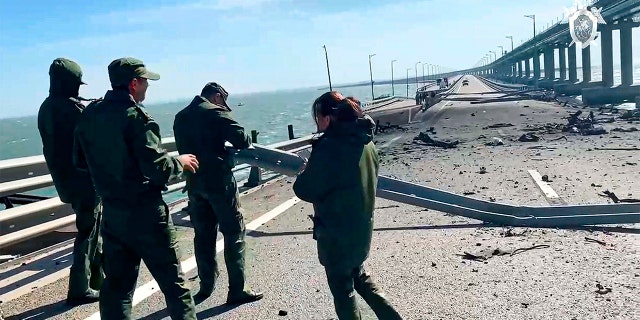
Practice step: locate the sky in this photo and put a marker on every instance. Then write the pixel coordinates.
(251, 45)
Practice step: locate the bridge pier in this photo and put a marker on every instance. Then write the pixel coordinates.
(527, 71)
(568, 86)
(627, 91)
(573, 69)
(536, 67)
(586, 65)
(563, 61)
(519, 67)
(549, 68)
(626, 56)
(606, 43)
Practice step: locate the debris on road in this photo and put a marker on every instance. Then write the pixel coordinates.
(424, 137)
(595, 240)
(498, 125)
(529, 137)
(615, 198)
(486, 254)
(602, 289)
(495, 141)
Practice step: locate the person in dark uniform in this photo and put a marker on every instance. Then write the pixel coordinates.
(340, 180)
(57, 119)
(119, 144)
(201, 129)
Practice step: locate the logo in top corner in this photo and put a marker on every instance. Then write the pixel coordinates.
(583, 25)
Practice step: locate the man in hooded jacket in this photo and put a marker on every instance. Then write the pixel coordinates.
(57, 119)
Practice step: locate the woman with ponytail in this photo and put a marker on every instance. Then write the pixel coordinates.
(340, 181)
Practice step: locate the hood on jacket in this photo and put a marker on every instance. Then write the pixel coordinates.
(65, 78)
(359, 131)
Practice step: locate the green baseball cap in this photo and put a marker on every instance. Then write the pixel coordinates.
(214, 87)
(63, 68)
(123, 70)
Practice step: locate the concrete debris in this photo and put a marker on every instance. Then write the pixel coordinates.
(529, 137)
(486, 254)
(601, 289)
(424, 138)
(495, 141)
(498, 125)
(587, 239)
(615, 198)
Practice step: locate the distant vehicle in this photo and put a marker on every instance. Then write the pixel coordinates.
(465, 82)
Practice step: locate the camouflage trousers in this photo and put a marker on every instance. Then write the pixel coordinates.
(141, 229)
(342, 283)
(86, 270)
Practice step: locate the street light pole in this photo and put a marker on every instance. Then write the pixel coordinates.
(501, 50)
(533, 16)
(408, 81)
(423, 79)
(371, 75)
(328, 73)
(392, 89)
(416, 67)
(511, 37)
(535, 47)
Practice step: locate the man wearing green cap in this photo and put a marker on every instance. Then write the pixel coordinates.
(119, 144)
(57, 119)
(201, 129)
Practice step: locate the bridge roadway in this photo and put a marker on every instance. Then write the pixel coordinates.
(413, 258)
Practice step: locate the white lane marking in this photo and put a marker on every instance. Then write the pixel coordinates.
(151, 287)
(544, 187)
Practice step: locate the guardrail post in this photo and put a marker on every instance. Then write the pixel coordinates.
(255, 176)
(290, 128)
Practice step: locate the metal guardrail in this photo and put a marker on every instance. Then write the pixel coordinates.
(25, 222)
(369, 104)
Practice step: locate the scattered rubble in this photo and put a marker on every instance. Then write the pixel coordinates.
(495, 141)
(424, 138)
(487, 253)
(615, 198)
(529, 137)
(602, 289)
(498, 125)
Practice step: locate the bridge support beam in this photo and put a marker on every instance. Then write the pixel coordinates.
(606, 42)
(549, 68)
(536, 67)
(518, 70)
(604, 95)
(573, 69)
(626, 56)
(563, 61)
(586, 65)
(549, 63)
(527, 69)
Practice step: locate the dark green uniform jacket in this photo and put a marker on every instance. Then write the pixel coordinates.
(121, 143)
(57, 118)
(340, 180)
(201, 129)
